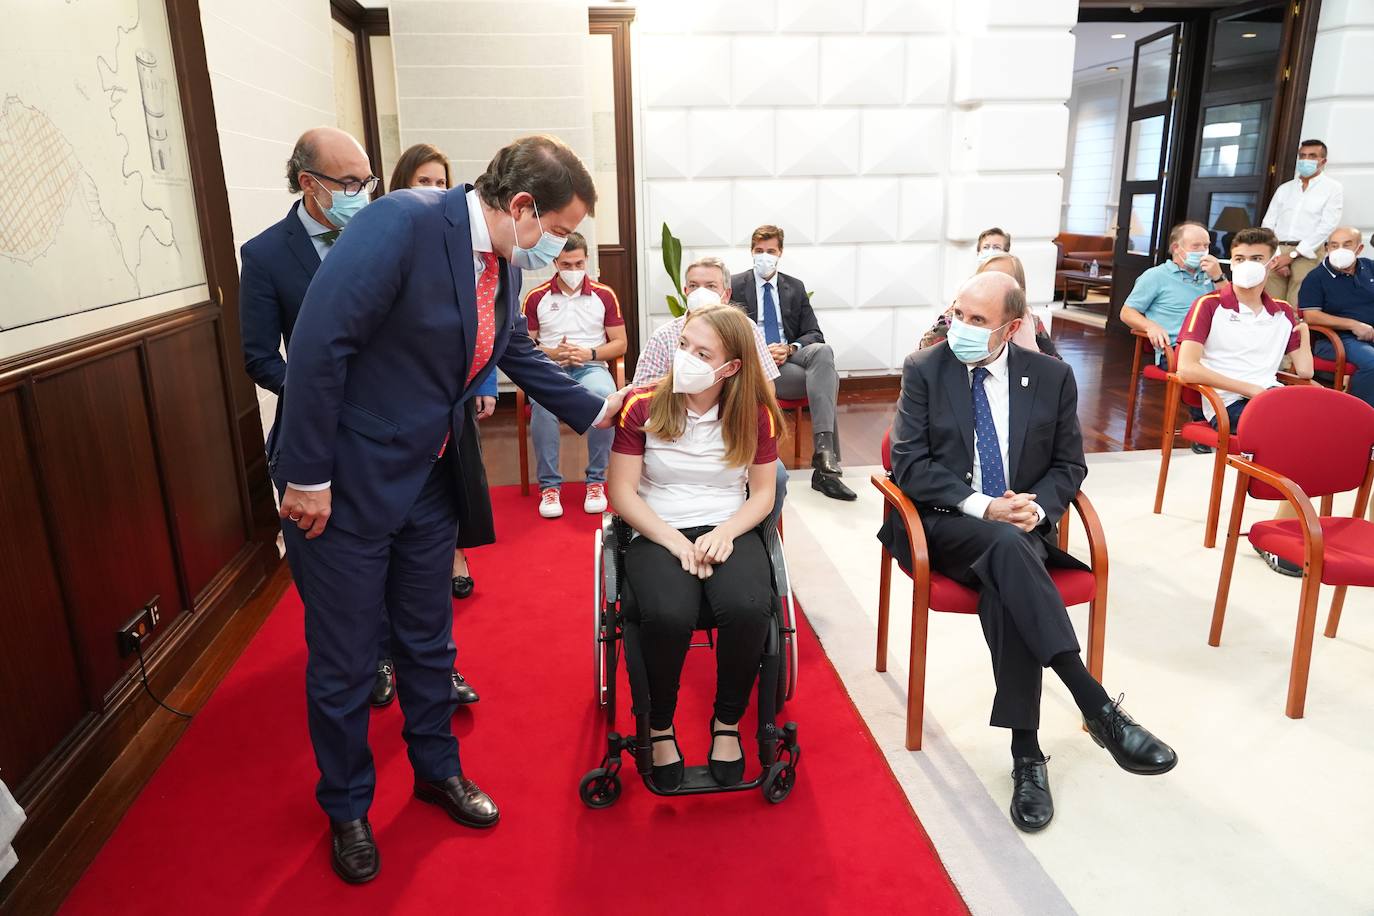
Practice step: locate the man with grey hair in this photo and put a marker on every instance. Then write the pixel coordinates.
(986, 444)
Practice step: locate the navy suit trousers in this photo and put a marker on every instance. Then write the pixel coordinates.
(347, 583)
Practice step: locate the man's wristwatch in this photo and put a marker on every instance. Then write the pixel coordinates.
(593, 359)
(793, 347)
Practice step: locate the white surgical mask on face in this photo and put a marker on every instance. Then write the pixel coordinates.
(572, 279)
(765, 264)
(691, 373)
(1248, 274)
(1341, 258)
(988, 253)
(702, 296)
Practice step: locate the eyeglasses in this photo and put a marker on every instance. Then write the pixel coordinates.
(351, 186)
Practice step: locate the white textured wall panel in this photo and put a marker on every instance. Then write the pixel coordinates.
(698, 212)
(818, 141)
(1014, 66)
(896, 276)
(664, 141)
(908, 15)
(903, 141)
(1012, 138)
(922, 209)
(776, 70)
(1025, 205)
(857, 209)
(861, 70)
(861, 338)
(789, 203)
(819, 16)
(829, 272)
(729, 142)
(929, 62)
(683, 71)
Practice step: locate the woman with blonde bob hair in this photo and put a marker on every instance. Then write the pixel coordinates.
(692, 473)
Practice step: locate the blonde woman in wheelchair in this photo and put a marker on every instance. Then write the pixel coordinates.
(692, 473)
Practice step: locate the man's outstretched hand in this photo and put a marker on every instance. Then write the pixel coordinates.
(613, 405)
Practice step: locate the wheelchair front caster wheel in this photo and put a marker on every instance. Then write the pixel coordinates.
(778, 785)
(599, 788)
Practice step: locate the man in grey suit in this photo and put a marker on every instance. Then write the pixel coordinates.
(986, 443)
(780, 305)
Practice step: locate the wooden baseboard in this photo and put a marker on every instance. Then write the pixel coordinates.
(75, 800)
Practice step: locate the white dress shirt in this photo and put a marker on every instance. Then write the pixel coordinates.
(759, 284)
(1306, 217)
(999, 402)
(481, 243)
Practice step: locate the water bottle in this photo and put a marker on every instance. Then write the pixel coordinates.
(1094, 269)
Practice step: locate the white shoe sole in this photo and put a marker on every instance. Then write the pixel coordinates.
(547, 512)
(594, 508)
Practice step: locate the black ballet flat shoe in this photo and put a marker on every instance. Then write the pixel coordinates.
(668, 778)
(463, 586)
(726, 772)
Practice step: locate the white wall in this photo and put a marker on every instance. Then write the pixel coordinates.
(1340, 102)
(271, 72)
(882, 135)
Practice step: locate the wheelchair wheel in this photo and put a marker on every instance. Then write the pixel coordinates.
(778, 784)
(599, 788)
(598, 616)
(787, 683)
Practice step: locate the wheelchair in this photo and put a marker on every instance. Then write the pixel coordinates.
(778, 751)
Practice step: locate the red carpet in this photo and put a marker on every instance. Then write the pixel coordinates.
(229, 823)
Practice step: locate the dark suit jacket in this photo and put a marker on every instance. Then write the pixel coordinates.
(278, 264)
(933, 448)
(799, 323)
(380, 355)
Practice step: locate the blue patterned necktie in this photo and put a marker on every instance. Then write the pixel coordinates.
(771, 332)
(992, 476)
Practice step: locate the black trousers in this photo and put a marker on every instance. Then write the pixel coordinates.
(667, 603)
(1024, 619)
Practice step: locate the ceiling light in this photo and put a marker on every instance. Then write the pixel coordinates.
(1250, 35)
(1113, 69)
(1118, 35)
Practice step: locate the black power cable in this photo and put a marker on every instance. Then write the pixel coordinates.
(138, 647)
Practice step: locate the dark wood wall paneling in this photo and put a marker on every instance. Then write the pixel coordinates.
(132, 466)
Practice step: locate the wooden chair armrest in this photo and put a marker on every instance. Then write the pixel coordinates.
(618, 370)
(899, 502)
(1218, 407)
(1336, 343)
(1171, 352)
(1288, 378)
(1092, 525)
(1313, 543)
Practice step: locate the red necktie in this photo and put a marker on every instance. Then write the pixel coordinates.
(486, 315)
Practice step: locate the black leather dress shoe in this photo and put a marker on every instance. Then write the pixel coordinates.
(832, 486)
(1130, 744)
(460, 797)
(463, 586)
(384, 687)
(1032, 807)
(823, 460)
(462, 693)
(355, 857)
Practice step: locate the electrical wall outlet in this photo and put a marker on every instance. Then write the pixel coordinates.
(138, 628)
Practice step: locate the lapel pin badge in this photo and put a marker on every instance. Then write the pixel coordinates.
(1025, 382)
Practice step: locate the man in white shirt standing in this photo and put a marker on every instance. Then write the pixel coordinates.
(1302, 214)
(576, 321)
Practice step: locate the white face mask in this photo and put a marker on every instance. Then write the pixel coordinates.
(987, 254)
(765, 264)
(572, 279)
(702, 296)
(1341, 258)
(1248, 274)
(692, 374)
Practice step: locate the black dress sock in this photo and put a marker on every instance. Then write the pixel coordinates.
(1087, 692)
(1025, 742)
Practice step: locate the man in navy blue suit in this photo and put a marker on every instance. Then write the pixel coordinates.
(414, 308)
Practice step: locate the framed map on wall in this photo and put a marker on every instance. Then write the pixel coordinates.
(98, 223)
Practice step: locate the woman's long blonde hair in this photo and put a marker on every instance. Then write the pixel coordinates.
(740, 397)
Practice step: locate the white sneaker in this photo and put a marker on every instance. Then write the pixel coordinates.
(595, 503)
(550, 506)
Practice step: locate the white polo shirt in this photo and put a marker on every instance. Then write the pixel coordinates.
(686, 481)
(1239, 342)
(582, 317)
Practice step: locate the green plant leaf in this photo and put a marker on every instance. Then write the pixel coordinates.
(672, 257)
(676, 307)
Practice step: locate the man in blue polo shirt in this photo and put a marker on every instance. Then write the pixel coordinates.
(1162, 295)
(1339, 294)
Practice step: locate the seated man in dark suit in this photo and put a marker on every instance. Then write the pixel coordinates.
(780, 305)
(986, 444)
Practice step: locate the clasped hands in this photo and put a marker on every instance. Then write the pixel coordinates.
(567, 355)
(1015, 509)
(699, 557)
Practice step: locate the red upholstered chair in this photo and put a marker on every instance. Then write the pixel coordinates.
(795, 406)
(1152, 372)
(1305, 442)
(522, 422)
(1223, 440)
(1339, 365)
(934, 592)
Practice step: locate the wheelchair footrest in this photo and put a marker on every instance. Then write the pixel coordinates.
(698, 777)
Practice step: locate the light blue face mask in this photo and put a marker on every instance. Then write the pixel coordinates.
(542, 253)
(343, 208)
(1307, 167)
(970, 344)
(1194, 259)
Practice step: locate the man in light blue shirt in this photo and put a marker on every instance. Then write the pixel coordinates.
(1162, 295)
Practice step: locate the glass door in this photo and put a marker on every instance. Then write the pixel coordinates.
(1145, 176)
